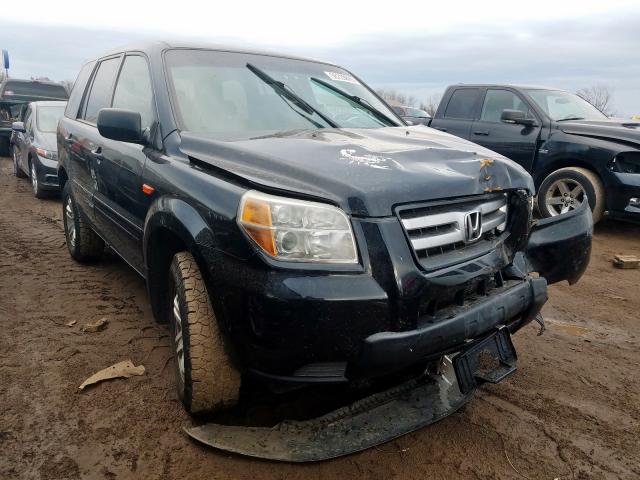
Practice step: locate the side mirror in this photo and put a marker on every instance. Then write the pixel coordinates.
(121, 125)
(18, 127)
(517, 117)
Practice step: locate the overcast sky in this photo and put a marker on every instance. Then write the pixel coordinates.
(416, 47)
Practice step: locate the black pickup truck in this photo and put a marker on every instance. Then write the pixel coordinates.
(572, 150)
(290, 227)
(15, 95)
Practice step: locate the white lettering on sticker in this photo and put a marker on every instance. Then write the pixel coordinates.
(341, 77)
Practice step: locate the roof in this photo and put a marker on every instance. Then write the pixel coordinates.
(509, 85)
(23, 80)
(159, 45)
(49, 103)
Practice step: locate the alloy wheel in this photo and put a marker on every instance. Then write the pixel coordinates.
(70, 223)
(179, 341)
(34, 178)
(564, 195)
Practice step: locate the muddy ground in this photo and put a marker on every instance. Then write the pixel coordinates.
(571, 411)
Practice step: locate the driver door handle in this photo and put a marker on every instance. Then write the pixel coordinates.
(481, 132)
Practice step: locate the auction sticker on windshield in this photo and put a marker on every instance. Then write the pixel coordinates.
(341, 77)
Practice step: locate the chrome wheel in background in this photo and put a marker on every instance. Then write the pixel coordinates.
(34, 178)
(70, 224)
(564, 195)
(178, 339)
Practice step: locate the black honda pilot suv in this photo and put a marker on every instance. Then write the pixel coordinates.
(291, 228)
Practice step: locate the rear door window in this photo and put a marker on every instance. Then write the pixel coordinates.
(462, 104)
(101, 89)
(133, 90)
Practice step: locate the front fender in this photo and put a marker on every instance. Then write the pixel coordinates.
(181, 219)
(559, 247)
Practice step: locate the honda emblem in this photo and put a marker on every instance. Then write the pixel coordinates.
(472, 226)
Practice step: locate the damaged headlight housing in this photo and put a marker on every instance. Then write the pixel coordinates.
(627, 162)
(297, 230)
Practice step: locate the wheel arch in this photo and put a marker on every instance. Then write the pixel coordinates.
(172, 225)
(565, 162)
(62, 177)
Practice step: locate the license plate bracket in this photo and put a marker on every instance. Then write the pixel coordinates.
(491, 360)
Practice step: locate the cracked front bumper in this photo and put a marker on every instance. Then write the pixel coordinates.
(560, 247)
(345, 325)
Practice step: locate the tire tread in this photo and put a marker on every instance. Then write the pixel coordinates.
(212, 381)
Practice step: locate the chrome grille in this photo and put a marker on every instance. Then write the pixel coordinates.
(440, 228)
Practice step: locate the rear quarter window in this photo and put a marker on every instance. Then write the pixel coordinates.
(78, 89)
(462, 104)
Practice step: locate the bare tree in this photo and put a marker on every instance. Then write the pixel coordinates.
(395, 98)
(392, 97)
(599, 96)
(431, 104)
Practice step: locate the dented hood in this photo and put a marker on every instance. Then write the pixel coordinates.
(365, 171)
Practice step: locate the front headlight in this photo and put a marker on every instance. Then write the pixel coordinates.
(626, 162)
(297, 230)
(50, 154)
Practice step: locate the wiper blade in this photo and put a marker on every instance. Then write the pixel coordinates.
(570, 118)
(357, 100)
(285, 91)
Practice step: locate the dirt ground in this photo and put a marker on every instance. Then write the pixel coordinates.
(571, 411)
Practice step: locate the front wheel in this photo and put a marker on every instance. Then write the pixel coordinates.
(567, 188)
(38, 192)
(83, 243)
(17, 171)
(206, 379)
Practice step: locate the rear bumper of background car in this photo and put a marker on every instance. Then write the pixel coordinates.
(559, 249)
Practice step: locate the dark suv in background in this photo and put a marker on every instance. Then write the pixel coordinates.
(15, 94)
(573, 151)
(292, 229)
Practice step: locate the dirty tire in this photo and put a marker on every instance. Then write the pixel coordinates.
(17, 171)
(209, 381)
(86, 245)
(38, 191)
(590, 183)
(4, 146)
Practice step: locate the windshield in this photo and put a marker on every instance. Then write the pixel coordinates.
(561, 105)
(220, 93)
(48, 118)
(33, 91)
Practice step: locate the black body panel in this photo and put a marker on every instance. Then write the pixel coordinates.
(550, 145)
(282, 319)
